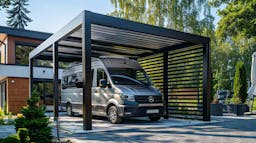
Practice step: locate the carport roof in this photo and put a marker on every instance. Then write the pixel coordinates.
(112, 36)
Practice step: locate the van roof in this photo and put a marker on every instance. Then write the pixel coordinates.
(112, 62)
(115, 62)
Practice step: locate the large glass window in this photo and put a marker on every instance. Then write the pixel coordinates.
(22, 54)
(22, 57)
(3, 51)
(45, 89)
(2, 94)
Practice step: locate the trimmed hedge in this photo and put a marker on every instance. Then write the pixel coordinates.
(240, 84)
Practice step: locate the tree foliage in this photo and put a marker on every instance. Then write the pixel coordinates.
(17, 14)
(238, 17)
(240, 84)
(4, 4)
(192, 16)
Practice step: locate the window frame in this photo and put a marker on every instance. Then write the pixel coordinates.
(18, 43)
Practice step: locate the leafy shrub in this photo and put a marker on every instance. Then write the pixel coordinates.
(34, 119)
(1, 112)
(1, 116)
(23, 135)
(11, 139)
(240, 84)
(5, 108)
(20, 137)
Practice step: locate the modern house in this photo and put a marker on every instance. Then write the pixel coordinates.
(15, 45)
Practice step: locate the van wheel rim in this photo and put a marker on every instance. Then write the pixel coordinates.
(112, 115)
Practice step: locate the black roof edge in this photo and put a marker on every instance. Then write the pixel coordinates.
(24, 33)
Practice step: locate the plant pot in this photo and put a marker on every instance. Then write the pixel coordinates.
(240, 109)
(217, 109)
(237, 109)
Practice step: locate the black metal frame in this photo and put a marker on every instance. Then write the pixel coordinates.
(85, 21)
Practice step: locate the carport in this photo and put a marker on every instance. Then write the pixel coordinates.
(176, 62)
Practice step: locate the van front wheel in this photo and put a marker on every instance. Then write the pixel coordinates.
(154, 118)
(69, 110)
(113, 116)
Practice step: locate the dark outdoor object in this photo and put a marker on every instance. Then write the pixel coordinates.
(176, 62)
(217, 109)
(237, 109)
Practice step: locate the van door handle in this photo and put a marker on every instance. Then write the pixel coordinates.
(95, 91)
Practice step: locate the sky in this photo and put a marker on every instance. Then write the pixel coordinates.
(52, 15)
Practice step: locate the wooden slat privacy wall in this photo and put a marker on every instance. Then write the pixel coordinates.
(185, 80)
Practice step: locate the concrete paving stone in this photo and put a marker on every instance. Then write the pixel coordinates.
(222, 129)
(6, 130)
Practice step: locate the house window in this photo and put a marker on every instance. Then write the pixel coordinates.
(3, 52)
(2, 94)
(22, 54)
(22, 57)
(45, 90)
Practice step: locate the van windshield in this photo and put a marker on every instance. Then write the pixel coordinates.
(128, 76)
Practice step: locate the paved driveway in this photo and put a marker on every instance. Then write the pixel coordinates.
(228, 130)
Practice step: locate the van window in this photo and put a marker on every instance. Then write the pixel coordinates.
(72, 79)
(128, 76)
(101, 74)
(65, 82)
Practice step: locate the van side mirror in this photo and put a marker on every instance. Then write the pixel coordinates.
(103, 83)
(79, 84)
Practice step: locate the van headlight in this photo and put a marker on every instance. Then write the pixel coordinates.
(128, 97)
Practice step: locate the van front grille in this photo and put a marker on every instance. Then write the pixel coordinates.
(145, 99)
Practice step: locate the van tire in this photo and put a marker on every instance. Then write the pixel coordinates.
(113, 115)
(69, 110)
(154, 118)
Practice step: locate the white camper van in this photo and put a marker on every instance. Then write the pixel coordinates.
(120, 88)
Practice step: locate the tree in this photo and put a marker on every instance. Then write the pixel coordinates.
(240, 84)
(238, 17)
(17, 15)
(192, 16)
(236, 36)
(4, 4)
(33, 118)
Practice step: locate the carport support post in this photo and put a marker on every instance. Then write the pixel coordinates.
(206, 83)
(166, 84)
(56, 85)
(31, 61)
(87, 78)
(55, 79)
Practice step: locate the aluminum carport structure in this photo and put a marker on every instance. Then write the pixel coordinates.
(176, 62)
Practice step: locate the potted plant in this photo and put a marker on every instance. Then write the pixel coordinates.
(240, 94)
(216, 108)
